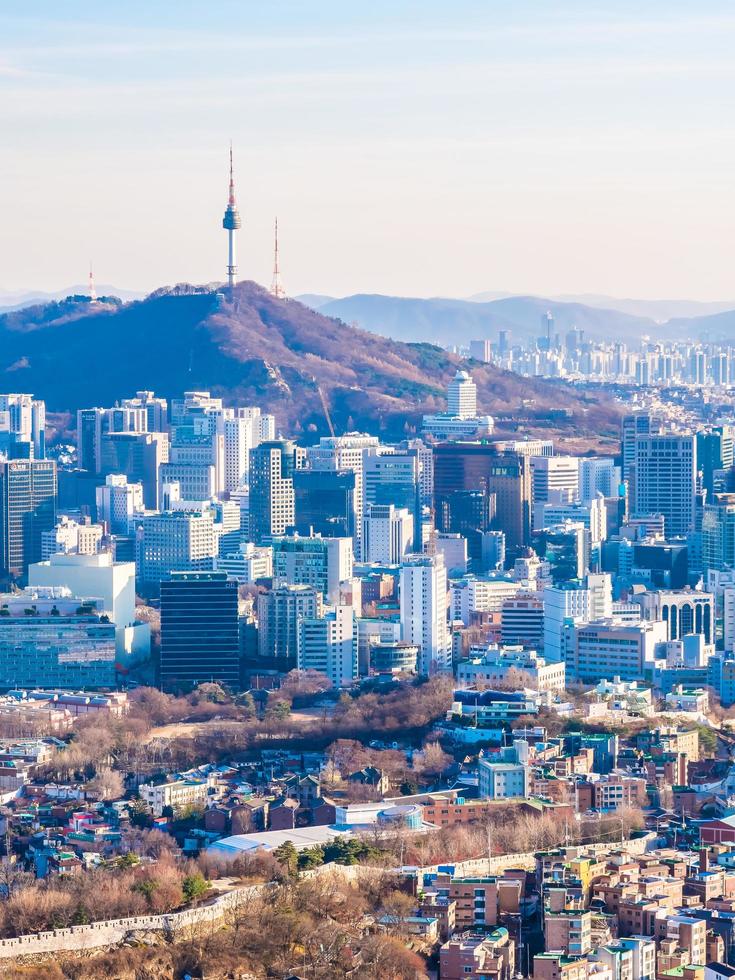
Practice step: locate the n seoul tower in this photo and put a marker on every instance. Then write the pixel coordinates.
(231, 222)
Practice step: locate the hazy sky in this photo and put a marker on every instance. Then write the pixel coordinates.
(428, 148)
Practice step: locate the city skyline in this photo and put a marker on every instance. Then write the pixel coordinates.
(516, 150)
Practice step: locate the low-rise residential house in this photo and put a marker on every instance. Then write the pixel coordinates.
(489, 957)
(178, 794)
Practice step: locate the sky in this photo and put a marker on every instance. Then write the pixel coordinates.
(424, 148)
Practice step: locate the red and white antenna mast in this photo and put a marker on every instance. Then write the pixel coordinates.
(277, 289)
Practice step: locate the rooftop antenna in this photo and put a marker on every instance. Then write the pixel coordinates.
(92, 290)
(277, 289)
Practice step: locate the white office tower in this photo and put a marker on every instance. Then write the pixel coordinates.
(323, 563)
(328, 644)
(424, 607)
(156, 410)
(478, 594)
(593, 515)
(118, 502)
(346, 452)
(728, 617)
(599, 586)
(554, 478)
(175, 541)
(243, 429)
(562, 606)
(462, 396)
(196, 481)
(454, 549)
(387, 534)
(23, 418)
(425, 457)
(247, 564)
(666, 479)
(70, 537)
(598, 474)
(206, 433)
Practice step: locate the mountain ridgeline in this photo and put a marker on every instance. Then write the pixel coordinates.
(251, 348)
(457, 321)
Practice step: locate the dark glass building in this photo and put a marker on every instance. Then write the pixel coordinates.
(324, 500)
(199, 630)
(27, 509)
(469, 513)
(478, 466)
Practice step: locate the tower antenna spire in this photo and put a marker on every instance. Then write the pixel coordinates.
(277, 289)
(92, 290)
(231, 222)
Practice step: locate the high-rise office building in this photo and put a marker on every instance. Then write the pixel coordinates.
(424, 608)
(156, 410)
(477, 466)
(339, 453)
(387, 534)
(22, 424)
(328, 644)
(197, 482)
(460, 421)
(604, 648)
(641, 423)
(175, 541)
(567, 602)
(593, 515)
(566, 548)
(118, 501)
(138, 456)
(715, 456)
(481, 350)
(324, 502)
(522, 620)
(93, 424)
(598, 474)
(666, 479)
(320, 562)
(199, 630)
(68, 536)
(272, 511)
(462, 396)
(279, 614)
(554, 478)
(204, 432)
(27, 509)
(718, 532)
(393, 478)
(470, 513)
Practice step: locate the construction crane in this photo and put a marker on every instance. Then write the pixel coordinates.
(325, 407)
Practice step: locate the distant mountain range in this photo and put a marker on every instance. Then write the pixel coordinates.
(456, 322)
(659, 310)
(252, 348)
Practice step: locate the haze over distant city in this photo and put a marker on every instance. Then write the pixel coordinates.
(413, 149)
